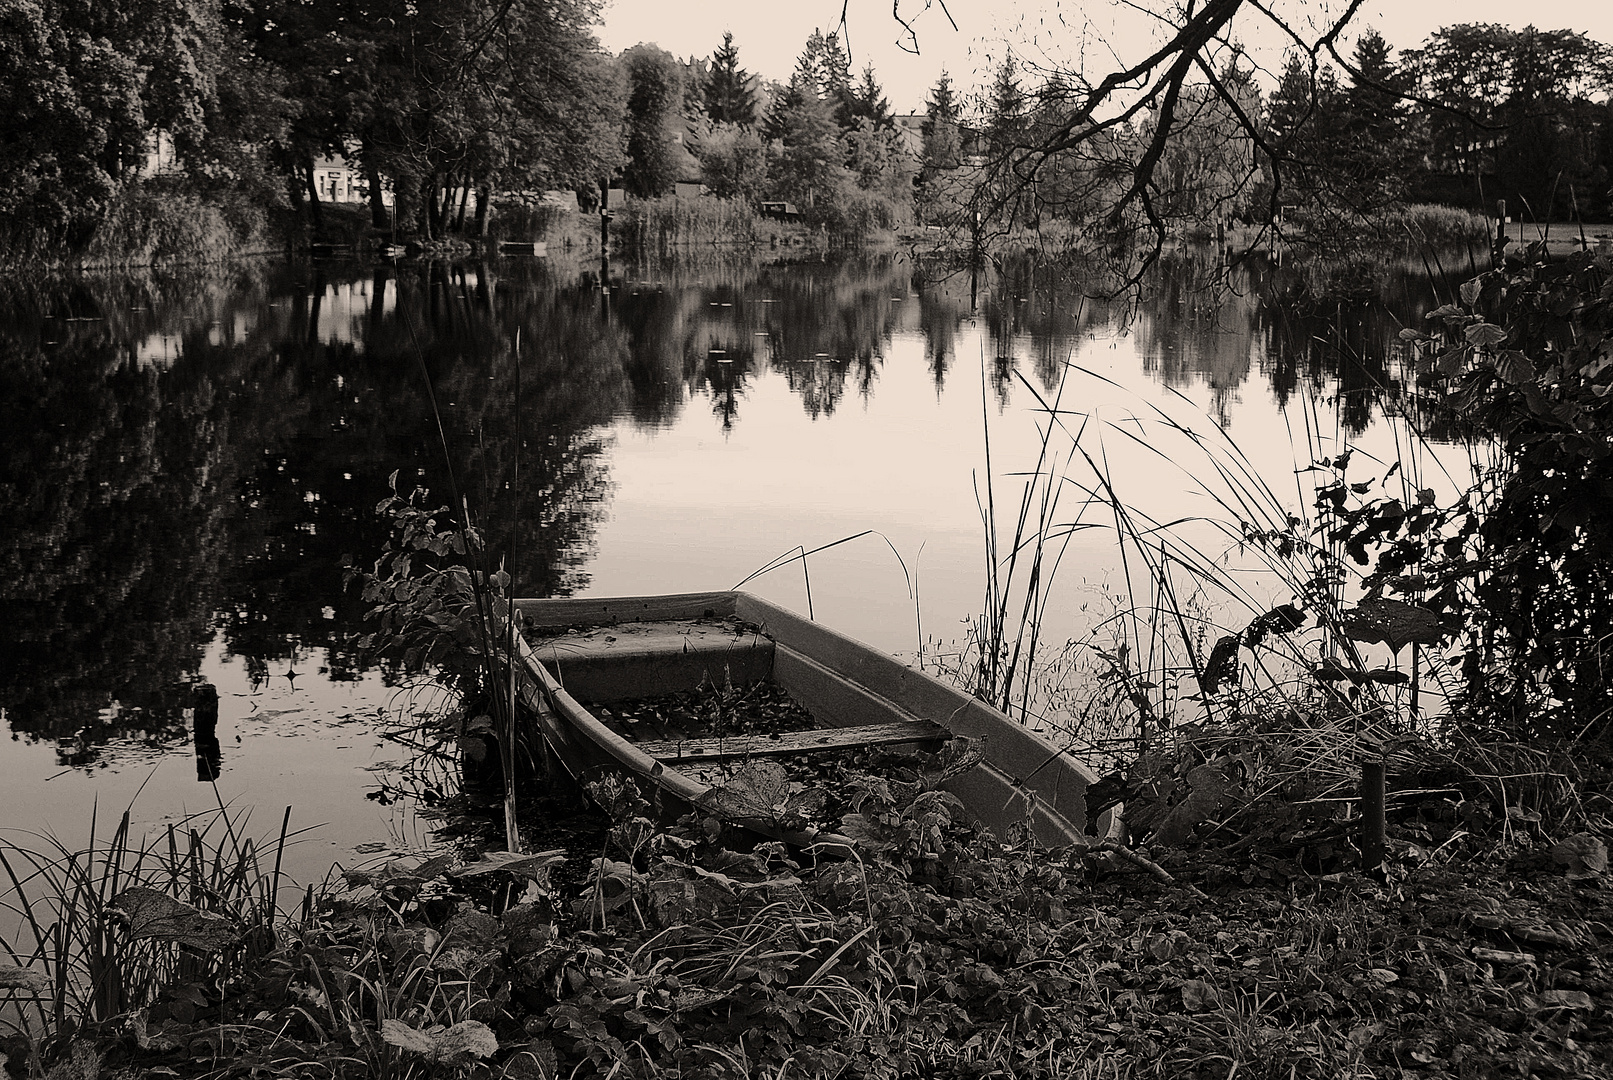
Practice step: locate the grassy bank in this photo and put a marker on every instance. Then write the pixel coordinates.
(1253, 948)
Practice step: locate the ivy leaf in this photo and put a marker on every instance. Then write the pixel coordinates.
(1485, 334)
(1470, 291)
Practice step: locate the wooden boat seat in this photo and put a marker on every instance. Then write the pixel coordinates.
(646, 659)
(786, 743)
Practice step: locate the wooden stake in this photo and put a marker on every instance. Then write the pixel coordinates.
(1372, 800)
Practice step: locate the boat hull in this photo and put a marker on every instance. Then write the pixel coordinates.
(1024, 780)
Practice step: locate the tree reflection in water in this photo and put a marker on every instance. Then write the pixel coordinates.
(155, 498)
(191, 459)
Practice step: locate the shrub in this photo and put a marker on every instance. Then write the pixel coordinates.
(155, 221)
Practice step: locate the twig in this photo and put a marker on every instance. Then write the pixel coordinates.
(1141, 862)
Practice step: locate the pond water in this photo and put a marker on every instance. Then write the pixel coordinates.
(186, 464)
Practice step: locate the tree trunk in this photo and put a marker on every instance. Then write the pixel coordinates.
(428, 208)
(440, 207)
(314, 210)
(484, 209)
(372, 176)
(459, 218)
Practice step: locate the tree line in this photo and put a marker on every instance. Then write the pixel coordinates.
(448, 104)
(443, 103)
(1478, 113)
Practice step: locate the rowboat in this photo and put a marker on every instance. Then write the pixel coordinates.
(578, 656)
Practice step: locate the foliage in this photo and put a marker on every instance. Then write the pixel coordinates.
(126, 924)
(429, 607)
(1514, 107)
(655, 93)
(809, 157)
(670, 224)
(82, 87)
(936, 949)
(1203, 175)
(1522, 567)
(733, 162)
(153, 222)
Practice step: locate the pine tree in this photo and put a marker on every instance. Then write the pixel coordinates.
(729, 98)
(867, 102)
(1005, 120)
(1293, 104)
(943, 146)
(1375, 85)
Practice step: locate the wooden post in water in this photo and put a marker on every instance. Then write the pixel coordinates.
(204, 732)
(604, 235)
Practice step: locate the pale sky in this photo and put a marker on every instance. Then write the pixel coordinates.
(770, 34)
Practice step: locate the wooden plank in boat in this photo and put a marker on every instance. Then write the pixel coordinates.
(794, 742)
(648, 659)
(592, 611)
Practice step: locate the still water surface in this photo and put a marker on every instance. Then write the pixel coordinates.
(186, 464)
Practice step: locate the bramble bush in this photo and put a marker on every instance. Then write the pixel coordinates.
(1519, 570)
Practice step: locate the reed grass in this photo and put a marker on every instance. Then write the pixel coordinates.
(668, 224)
(495, 618)
(75, 925)
(1192, 586)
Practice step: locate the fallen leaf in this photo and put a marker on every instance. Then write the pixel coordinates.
(156, 916)
(1560, 999)
(16, 978)
(455, 1045)
(1198, 995)
(535, 866)
(1207, 791)
(1583, 854)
